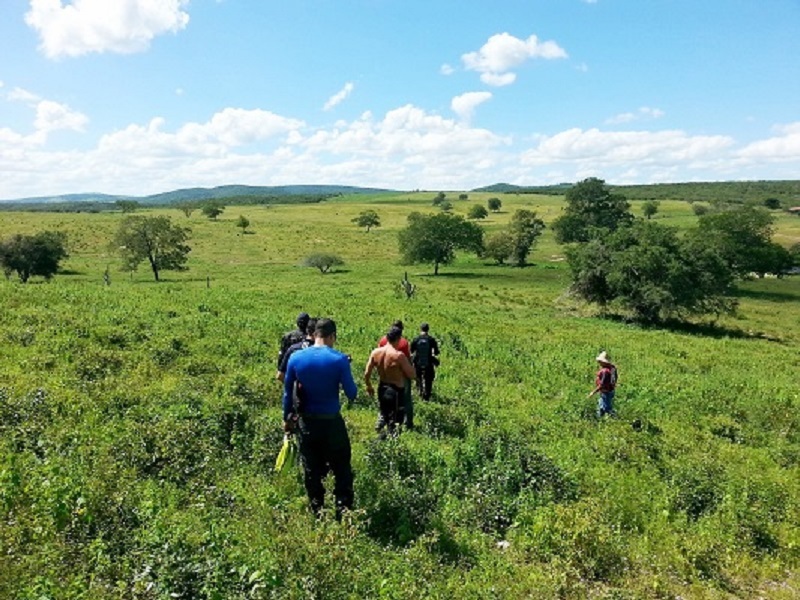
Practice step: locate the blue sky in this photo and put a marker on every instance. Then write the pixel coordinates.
(145, 96)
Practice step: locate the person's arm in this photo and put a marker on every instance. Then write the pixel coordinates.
(348, 385)
(280, 374)
(368, 375)
(288, 387)
(434, 347)
(408, 369)
(598, 384)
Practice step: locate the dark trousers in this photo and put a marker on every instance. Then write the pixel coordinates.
(392, 405)
(324, 447)
(425, 377)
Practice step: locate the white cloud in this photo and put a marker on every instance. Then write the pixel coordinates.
(446, 69)
(465, 104)
(781, 148)
(339, 96)
(644, 112)
(504, 52)
(49, 115)
(84, 26)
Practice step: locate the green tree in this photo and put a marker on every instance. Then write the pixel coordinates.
(446, 206)
(212, 209)
(463, 196)
(478, 211)
(650, 270)
(772, 203)
(524, 229)
(494, 204)
(440, 197)
(435, 238)
(39, 254)
(187, 208)
(243, 222)
(367, 219)
(322, 261)
(591, 206)
(499, 247)
(154, 239)
(128, 206)
(742, 236)
(650, 208)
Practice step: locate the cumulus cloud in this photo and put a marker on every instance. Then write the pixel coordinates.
(339, 96)
(445, 69)
(49, 115)
(503, 52)
(783, 147)
(465, 104)
(645, 112)
(84, 26)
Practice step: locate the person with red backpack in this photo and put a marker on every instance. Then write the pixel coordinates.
(606, 384)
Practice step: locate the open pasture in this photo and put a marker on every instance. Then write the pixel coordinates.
(139, 423)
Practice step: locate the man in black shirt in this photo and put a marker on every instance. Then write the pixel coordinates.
(292, 337)
(425, 356)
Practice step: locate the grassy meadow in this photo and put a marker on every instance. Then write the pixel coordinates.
(139, 423)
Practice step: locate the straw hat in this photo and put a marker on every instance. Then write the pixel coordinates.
(603, 358)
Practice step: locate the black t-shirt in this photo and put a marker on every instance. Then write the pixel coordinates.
(293, 337)
(422, 348)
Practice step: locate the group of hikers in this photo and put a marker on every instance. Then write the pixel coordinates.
(313, 372)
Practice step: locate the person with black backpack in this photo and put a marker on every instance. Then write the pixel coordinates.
(425, 357)
(292, 337)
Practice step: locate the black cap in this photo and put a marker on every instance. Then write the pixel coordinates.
(302, 320)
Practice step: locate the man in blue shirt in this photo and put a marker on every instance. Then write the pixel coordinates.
(319, 372)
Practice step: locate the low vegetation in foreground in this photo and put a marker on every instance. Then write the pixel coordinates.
(139, 420)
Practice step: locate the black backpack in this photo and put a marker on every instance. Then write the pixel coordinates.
(422, 351)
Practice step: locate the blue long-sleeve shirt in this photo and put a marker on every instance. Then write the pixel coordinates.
(321, 370)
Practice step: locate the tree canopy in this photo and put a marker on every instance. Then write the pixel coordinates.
(154, 239)
(651, 271)
(591, 206)
(524, 229)
(367, 219)
(323, 261)
(39, 254)
(478, 211)
(743, 237)
(435, 238)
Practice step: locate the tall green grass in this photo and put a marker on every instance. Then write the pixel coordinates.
(139, 424)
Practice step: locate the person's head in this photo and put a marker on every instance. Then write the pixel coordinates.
(393, 335)
(302, 321)
(312, 326)
(325, 331)
(399, 325)
(424, 328)
(603, 359)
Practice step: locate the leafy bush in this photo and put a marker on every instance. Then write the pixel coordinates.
(323, 262)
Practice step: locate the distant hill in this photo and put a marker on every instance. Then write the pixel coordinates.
(197, 194)
(788, 192)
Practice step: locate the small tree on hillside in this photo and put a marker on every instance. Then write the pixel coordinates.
(446, 206)
(39, 254)
(322, 261)
(243, 222)
(524, 229)
(439, 199)
(153, 239)
(367, 219)
(494, 204)
(212, 209)
(650, 208)
(463, 196)
(187, 208)
(435, 238)
(478, 211)
(128, 206)
(499, 247)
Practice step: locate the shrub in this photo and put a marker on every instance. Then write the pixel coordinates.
(323, 262)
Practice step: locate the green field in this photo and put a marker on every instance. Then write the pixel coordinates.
(139, 423)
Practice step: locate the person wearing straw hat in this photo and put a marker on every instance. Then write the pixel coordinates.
(605, 384)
